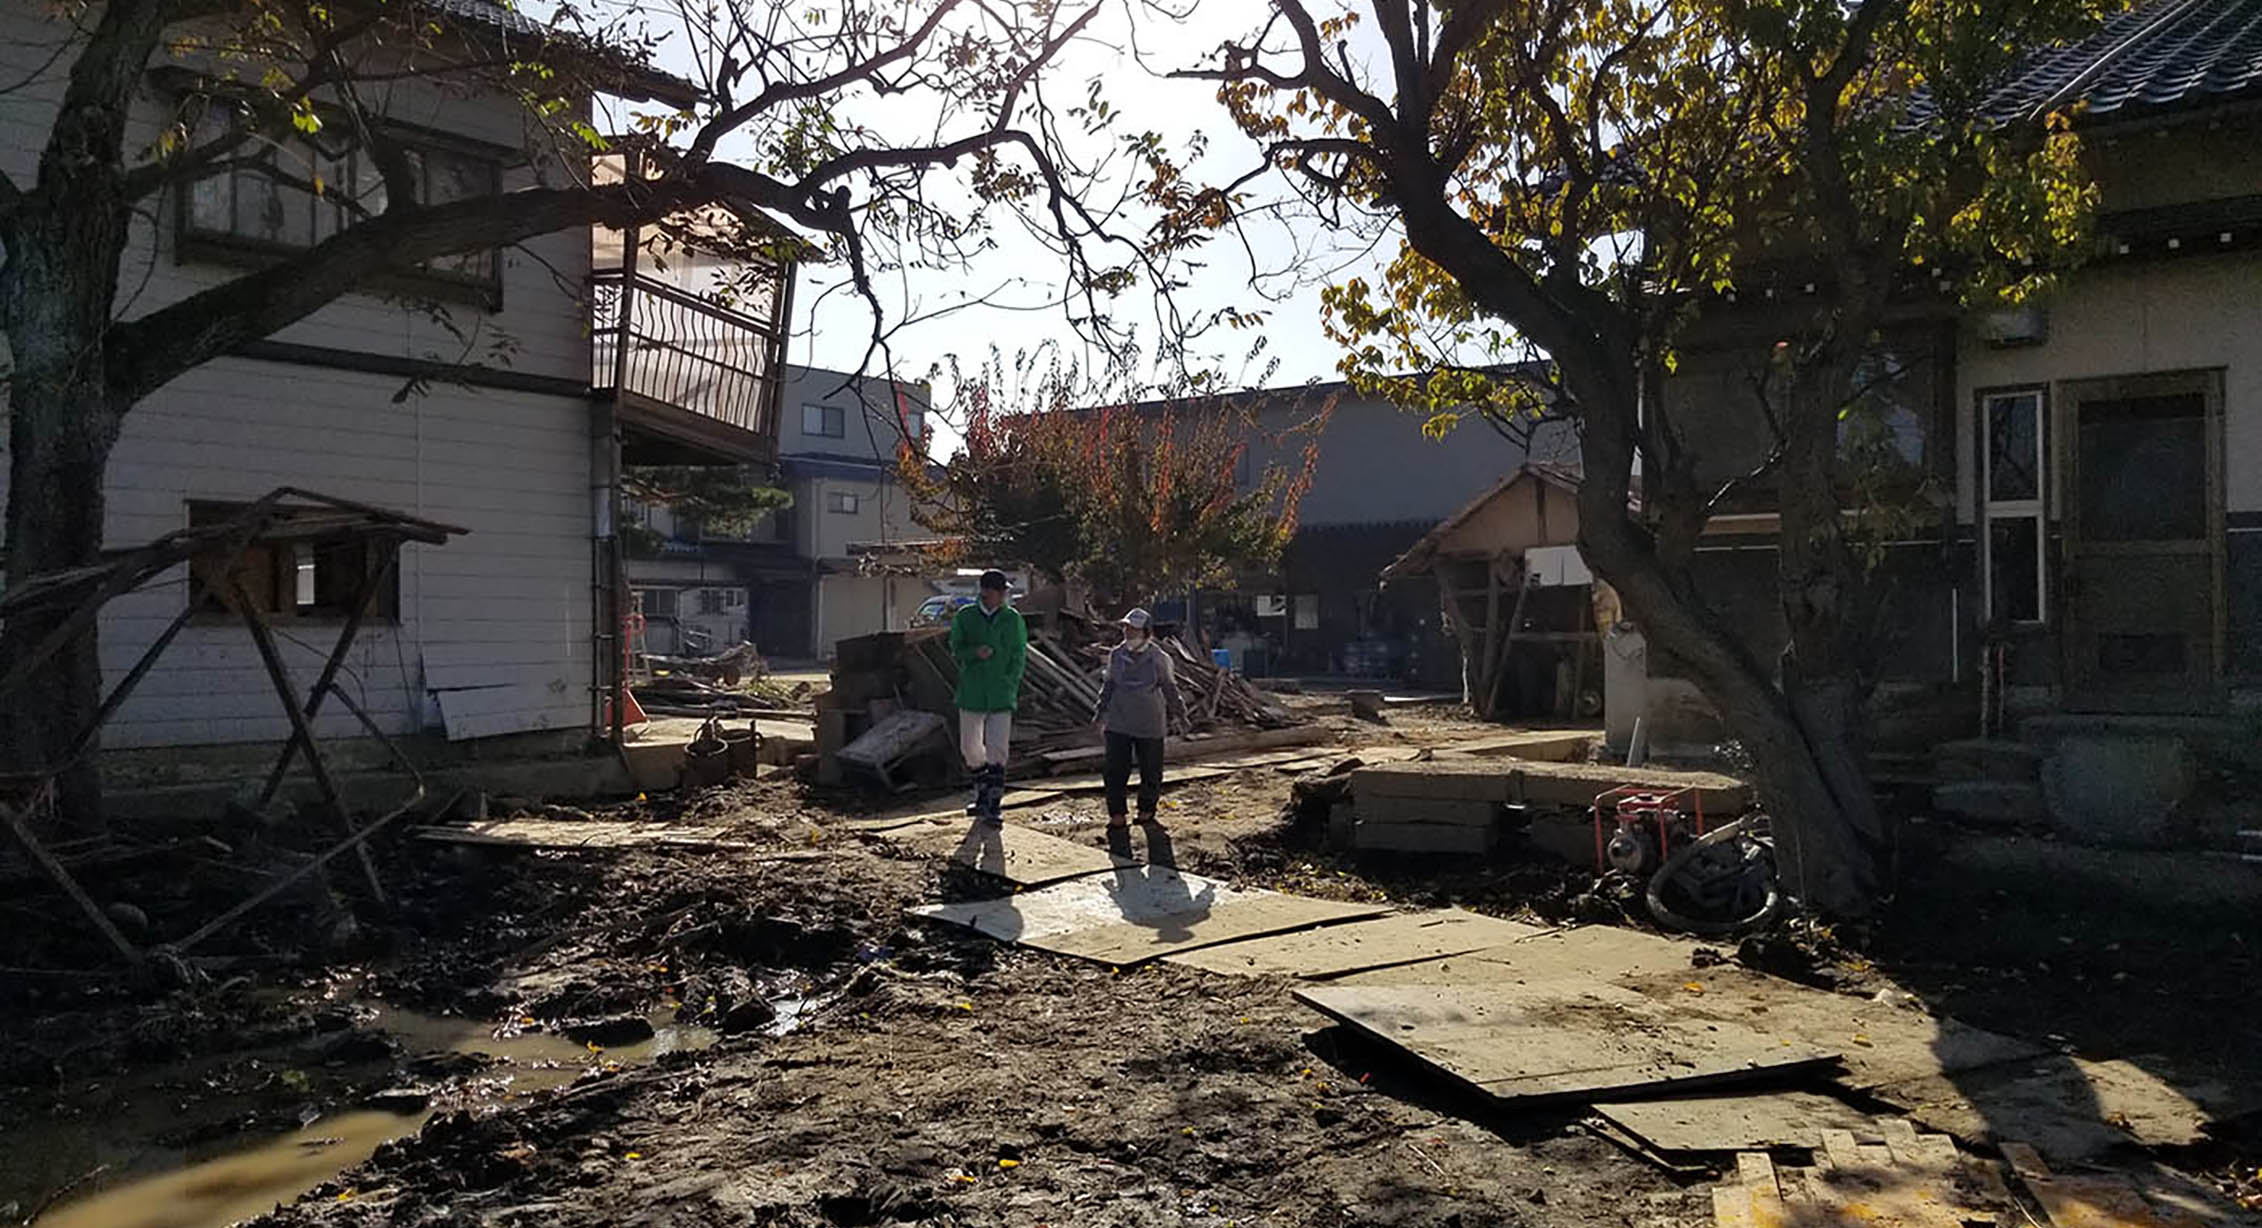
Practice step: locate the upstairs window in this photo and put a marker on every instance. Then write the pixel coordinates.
(843, 502)
(824, 422)
(279, 197)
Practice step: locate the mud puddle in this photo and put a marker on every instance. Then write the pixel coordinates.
(138, 1157)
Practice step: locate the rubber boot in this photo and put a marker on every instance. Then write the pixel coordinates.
(993, 795)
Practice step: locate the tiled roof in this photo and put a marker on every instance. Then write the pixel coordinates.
(491, 13)
(2157, 56)
(630, 74)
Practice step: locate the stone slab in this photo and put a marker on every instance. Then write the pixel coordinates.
(1357, 946)
(1756, 1121)
(1474, 780)
(1012, 852)
(1139, 914)
(1445, 812)
(1381, 836)
(1528, 1043)
(1519, 782)
(1535, 745)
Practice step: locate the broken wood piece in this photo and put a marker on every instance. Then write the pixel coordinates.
(62, 877)
(2091, 1200)
(356, 840)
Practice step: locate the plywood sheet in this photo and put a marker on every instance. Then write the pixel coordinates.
(1755, 1121)
(1882, 1042)
(1014, 853)
(1138, 914)
(2070, 1109)
(564, 834)
(1355, 946)
(1589, 955)
(1515, 1042)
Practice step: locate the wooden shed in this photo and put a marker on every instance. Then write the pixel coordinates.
(1515, 596)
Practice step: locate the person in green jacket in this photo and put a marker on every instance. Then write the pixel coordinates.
(991, 645)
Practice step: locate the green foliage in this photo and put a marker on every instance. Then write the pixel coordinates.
(722, 499)
(1135, 501)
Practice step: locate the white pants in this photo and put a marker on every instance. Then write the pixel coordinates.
(982, 737)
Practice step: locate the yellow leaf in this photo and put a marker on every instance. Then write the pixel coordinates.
(635, 1155)
(1009, 1163)
(1694, 987)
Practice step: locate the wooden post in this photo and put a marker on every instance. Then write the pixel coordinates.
(1508, 637)
(1486, 676)
(263, 638)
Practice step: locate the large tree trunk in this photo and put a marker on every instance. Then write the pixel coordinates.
(59, 440)
(1803, 732)
(58, 291)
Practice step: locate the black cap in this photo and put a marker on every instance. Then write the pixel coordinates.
(995, 580)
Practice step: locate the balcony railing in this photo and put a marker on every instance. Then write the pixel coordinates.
(685, 352)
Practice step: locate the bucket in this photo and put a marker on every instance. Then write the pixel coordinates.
(1222, 658)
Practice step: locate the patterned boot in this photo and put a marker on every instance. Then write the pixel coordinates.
(993, 795)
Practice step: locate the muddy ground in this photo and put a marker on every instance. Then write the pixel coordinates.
(834, 1063)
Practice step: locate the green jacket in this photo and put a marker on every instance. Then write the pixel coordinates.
(992, 685)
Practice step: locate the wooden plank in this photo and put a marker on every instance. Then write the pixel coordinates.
(1533, 1042)
(1356, 946)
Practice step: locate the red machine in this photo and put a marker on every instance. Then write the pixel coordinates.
(1645, 823)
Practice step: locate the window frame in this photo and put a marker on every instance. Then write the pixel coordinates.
(827, 416)
(282, 564)
(196, 243)
(2034, 510)
(843, 503)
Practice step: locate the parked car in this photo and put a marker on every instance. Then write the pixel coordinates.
(938, 611)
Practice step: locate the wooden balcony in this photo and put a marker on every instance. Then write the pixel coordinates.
(700, 380)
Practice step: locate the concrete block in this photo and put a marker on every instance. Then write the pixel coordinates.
(2009, 803)
(1560, 836)
(1447, 812)
(1987, 759)
(1342, 825)
(1442, 779)
(2117, 790)
(1377, 836)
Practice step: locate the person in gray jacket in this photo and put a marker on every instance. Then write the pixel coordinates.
(1138, 704)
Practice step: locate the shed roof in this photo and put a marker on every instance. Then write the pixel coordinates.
(1418, 558)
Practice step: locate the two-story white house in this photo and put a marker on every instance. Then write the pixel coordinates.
(484, 393)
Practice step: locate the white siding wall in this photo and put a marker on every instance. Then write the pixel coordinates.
(507, 606)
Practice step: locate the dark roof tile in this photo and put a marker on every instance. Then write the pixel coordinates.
(2156, 56)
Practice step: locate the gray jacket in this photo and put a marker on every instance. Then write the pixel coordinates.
(1140, 693)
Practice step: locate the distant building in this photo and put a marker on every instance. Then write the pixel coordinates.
(1379, 485)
